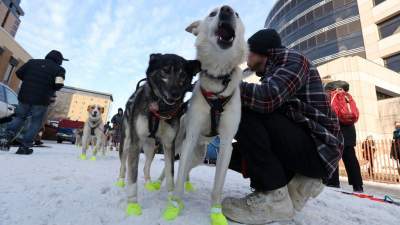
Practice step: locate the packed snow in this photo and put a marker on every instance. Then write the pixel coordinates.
(54, 187)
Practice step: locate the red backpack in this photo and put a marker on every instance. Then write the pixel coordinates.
(344, 106)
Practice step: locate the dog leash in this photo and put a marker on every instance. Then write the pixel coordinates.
(386, 199)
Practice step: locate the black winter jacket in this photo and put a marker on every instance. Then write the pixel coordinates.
(41, 78)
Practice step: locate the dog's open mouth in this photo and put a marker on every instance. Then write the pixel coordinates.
(225, 35)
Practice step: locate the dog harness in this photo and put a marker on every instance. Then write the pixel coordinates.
(93, 127)
(159, 111)
(216, 101)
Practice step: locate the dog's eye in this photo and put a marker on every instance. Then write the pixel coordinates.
(237, 14)
(166, 69)
(212, 14)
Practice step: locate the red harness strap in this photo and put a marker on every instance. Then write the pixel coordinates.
(216, 103)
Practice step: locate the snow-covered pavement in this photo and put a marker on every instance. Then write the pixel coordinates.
(54, 187)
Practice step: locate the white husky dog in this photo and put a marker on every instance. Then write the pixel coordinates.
(215, 107)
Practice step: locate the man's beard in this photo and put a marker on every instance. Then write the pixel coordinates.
(258, 68)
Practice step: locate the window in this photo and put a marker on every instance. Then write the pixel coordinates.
(321, 38)
(328, 7)
(377, 2)
(389, 27)
(10, 70)
(311, 42)
(2, 94)
(318, 12)
(393, 62)
(12, 98)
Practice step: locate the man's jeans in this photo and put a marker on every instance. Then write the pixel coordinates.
(23, 111)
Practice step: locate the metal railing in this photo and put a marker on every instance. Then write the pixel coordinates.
(379, 160)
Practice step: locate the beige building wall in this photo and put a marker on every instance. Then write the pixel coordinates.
(370, 16)
(364, 77)
(80, 103)
(389, 112)
(11, 51)
(72, 103)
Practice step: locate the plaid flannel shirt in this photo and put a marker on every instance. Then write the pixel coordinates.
(292, 84)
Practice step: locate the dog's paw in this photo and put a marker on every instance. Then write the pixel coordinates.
(133, 209)
(83, 157)
(174, 208)
(93, 158)
(152, 186)
(120, 183)
(216, 216)
(189, 187)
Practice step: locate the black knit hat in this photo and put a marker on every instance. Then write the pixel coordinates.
(263, 40)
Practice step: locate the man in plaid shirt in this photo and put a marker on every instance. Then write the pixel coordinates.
(288, 140)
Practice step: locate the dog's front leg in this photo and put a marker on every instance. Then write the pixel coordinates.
(175, 204)
(133, 152)
(168, 167)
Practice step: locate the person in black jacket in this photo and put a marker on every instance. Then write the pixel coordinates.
(117, 126)
(41, 78)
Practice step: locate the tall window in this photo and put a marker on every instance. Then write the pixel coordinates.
(393, 62)
(10, 70)
(377, 2)
(389, 27)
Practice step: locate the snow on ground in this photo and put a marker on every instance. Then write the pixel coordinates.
(54, 187)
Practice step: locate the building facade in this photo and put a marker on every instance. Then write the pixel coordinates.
(353, 40)
(10, 13)
(12, 56)
(72, 103)
(325, 30)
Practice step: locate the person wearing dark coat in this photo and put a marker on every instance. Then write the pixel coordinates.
(349, 157)
(117, 126)
(288, 138)
(41, 78)
(395, 149)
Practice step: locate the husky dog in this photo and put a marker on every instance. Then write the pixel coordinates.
(215, 107)
(152, 117)
(93, 132)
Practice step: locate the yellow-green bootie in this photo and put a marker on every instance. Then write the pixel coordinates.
(93, 158)
(83, 156)
(174, 208)
(120, 183)
(152, 186)
(133, 209)
(189, 187)
(217, 217)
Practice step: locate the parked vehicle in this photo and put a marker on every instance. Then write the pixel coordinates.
(65, 130)
(8, 102)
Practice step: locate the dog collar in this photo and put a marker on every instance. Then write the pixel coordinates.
(226, 79)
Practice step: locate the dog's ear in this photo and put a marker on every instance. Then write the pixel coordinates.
(154, 57)
(194, 27)
(102, 110)
(89, 108)
(193, 67)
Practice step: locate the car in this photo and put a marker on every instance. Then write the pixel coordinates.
(65, 134)
(8, 101)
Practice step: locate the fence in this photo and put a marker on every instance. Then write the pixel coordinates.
(379, 160)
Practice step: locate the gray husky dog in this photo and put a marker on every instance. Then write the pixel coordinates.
(152, 118)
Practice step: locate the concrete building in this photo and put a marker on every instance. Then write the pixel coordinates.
(10, 13)
(353, 40)
(12, 56)
(72, 103)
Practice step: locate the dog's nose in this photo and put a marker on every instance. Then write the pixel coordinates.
(175, 94)
(226, 12)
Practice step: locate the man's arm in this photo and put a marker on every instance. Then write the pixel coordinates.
(59, 79)
(275, 89)
(22, 71)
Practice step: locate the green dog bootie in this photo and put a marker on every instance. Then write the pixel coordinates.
(83, 156)
(133, 209)
(120, 183)
(174, 208)
(93, 158)
(189, 187)
(152, 186)
(217, 218)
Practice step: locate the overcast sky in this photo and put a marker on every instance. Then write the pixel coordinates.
(109, 41)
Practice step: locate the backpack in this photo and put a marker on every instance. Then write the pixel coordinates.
(344, 106)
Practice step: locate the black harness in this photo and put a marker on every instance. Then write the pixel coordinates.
(216, 101)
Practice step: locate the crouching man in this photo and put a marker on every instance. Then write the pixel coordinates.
(288, 138)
